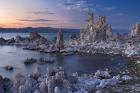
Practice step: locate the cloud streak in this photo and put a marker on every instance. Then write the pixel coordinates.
(43, 12)
(17, 23)
(85, 5)
(2, 25)
(109, 8)
(120, 14)
(80, 5)
(35, 20)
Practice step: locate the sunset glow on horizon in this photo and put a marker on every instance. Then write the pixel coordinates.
(66, 13)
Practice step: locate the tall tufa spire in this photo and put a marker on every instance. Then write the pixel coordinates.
(90, 21)
(59, 41)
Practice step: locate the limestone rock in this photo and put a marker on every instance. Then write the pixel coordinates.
(51, 84)
(41, 40)
(34, 35)
(103, 29)
(136, 30)
(2, 41)
(18, 81)
(59, 42)
(90, 21)
(73, 36)
(11, 41)
(22, 89)
(9, 68)
(1, 84)
(18, 38)
(100, 22)
(37, 72)
(36, 39)
(99, 31)
(43, 87)
(57, 90)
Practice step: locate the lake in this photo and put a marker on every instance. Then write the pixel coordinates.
(15, 56)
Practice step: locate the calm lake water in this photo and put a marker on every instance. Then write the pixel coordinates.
(15, 56)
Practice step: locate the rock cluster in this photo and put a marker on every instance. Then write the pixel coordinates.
(33, 42)
(73, 36)
(100, 31)
(36, 38)
(7, 42)
(2, 41)
(54, 82)
(5, 85)
(57, 81)
(21, 40)
(34, 35)
(136, 30)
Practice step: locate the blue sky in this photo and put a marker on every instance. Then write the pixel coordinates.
(121, 14)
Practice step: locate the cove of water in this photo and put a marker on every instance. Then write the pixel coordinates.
(15, 56)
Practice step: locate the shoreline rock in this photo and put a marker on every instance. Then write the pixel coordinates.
(56, 81)
(9, 68)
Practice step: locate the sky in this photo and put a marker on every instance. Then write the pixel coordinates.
(121, 14)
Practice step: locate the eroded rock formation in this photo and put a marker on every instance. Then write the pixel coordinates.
(2, 41)
(37, 39)
(34, 35)
(136, 30)
(73, 36)
(98, 31)
(59, 41)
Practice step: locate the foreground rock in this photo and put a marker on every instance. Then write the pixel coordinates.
(5, 85)
(57, 81)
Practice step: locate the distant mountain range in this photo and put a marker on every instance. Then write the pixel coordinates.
(37, 29)
(48, 30)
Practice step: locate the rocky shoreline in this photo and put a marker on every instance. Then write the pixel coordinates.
(57, 81)
(41, 44)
